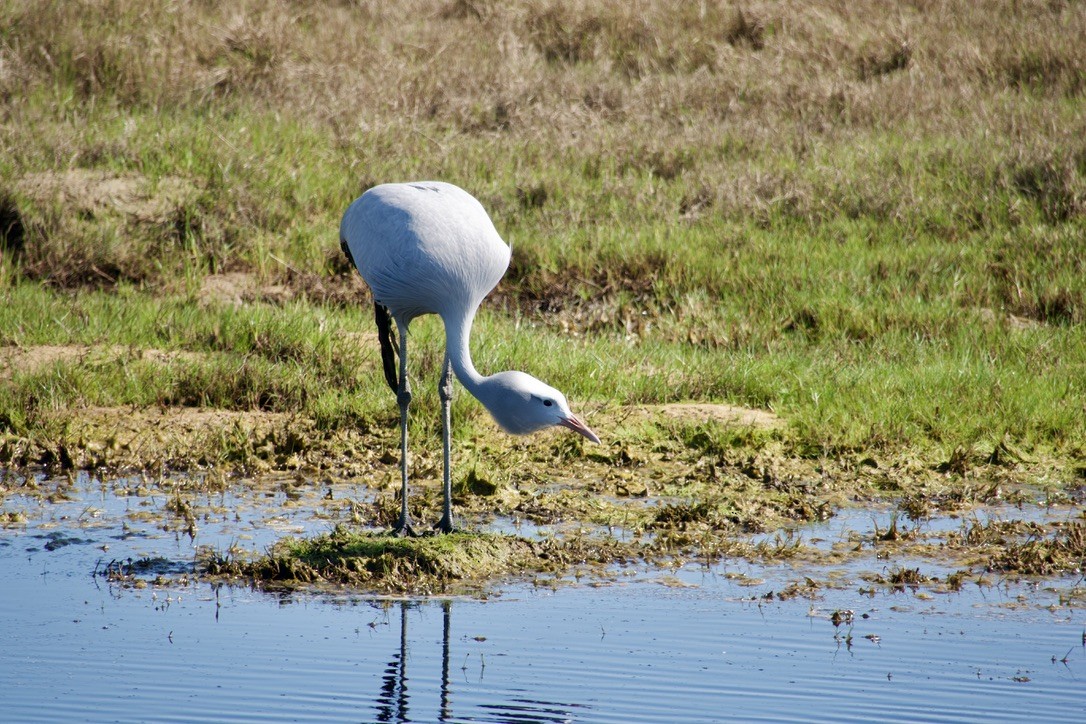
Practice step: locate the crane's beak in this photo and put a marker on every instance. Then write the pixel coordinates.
(577, 426)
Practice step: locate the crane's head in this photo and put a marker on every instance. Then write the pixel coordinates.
(520, 404)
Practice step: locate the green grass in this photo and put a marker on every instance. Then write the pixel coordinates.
(870, 223)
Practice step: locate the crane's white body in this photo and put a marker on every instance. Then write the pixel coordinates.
(425, 248)
(430, 248)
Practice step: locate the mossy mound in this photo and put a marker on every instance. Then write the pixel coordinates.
(459, 562)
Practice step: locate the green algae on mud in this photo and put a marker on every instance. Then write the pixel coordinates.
(290, 532)
(670, 487)
(916, 560)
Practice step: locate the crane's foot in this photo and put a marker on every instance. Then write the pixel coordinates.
(445, 525)
(404, 529)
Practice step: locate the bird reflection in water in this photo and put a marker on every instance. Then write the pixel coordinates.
(393, 703)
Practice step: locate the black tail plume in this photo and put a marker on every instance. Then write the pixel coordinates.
(384, 331)
(347, 251)
(388, 344)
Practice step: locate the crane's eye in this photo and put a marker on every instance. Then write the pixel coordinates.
(548, 403)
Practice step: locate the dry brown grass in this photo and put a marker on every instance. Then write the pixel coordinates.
(745, 108)
(492, 66)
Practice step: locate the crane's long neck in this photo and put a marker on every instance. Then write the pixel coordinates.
(457, 334)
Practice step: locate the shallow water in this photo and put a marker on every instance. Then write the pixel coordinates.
(694, 645)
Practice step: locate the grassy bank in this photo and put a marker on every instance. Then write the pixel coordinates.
(867, 219)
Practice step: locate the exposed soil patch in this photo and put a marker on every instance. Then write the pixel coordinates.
(100, 228)
(240, 288)
(28, 359)
(92, 193)
(237, 288)
(1010, 320)
(717, 412)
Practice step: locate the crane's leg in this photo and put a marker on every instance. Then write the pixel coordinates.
(403, 396)
(445, 391)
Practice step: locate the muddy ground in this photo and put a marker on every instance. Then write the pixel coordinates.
(671, 485)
